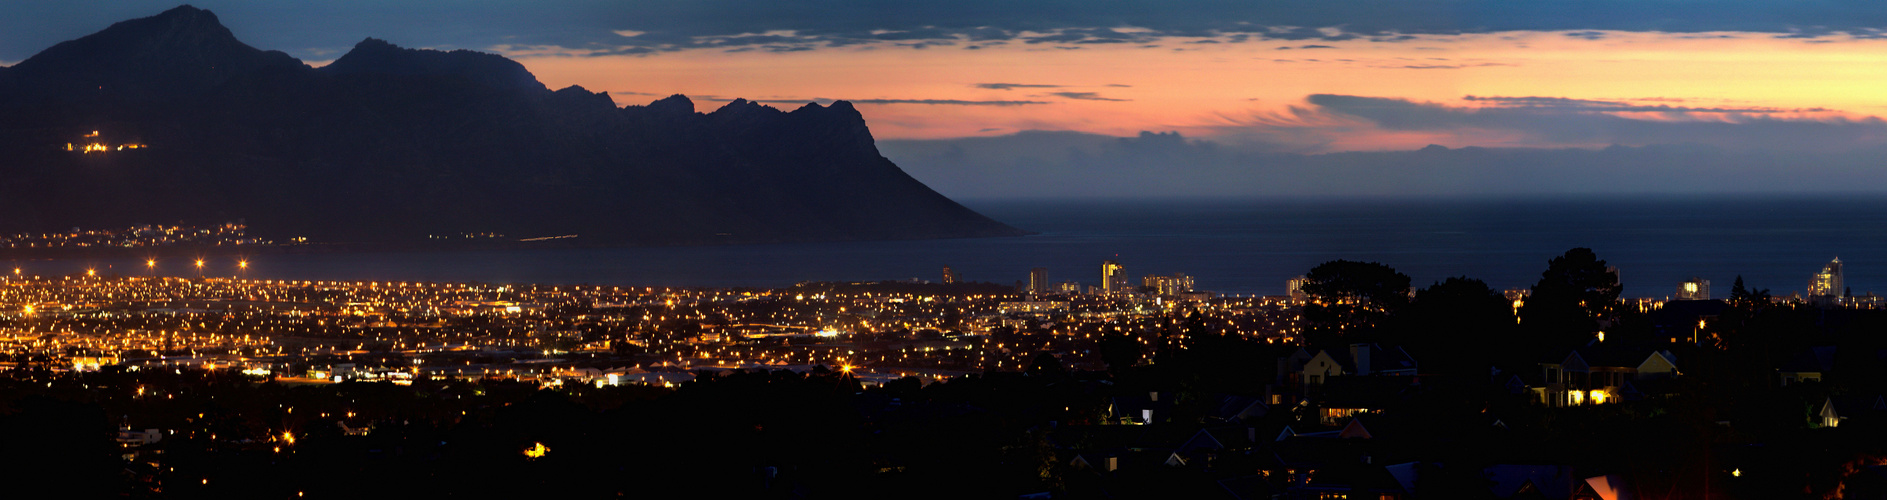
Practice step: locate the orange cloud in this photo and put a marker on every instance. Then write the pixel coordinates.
(1193, 87)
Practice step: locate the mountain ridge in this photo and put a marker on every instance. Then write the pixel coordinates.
(391, 144)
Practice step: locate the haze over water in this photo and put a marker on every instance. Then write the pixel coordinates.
(1231, 246)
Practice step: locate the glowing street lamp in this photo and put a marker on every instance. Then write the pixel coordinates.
(91, 273)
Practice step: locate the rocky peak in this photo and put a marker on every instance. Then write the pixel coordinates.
(379, 57)
(676, 104)
(184, 49)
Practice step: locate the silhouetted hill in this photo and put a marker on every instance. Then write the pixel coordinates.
(389, 144)
(183, 51)
(377, 57)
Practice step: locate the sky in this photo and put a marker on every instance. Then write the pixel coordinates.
(1777, 95)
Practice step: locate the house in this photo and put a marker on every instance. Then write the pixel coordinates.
(1808, 365)
(1137, 409)
(1291, 369)
(1508, 382)
(131, 439)
(1551, 482)
(1099, 462)
(1359, 359)
(1836, 409)
(1345, 397)
(1220, 440)
(1599, 375)
(1827, 416)
(1607, 487)
(1239, 409)
(1355, 430)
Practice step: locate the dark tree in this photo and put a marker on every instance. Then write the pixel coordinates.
(1046, 365)
(1746, 299)
(1119, 351)
(1575, 294)
(1350, 301)
(1456, 326)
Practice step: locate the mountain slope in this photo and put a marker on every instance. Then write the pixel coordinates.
(389, 144)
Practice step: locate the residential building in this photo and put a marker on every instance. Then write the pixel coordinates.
(1113, 278)
(1828, 283)
(1694, 289)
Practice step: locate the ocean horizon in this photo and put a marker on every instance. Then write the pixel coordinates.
(1228, 245)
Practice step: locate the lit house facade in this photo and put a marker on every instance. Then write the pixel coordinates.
(1575, 381)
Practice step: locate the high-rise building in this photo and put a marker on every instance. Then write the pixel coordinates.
(949, 276)
(1295, 288)
(1071, 287)
(1113, 277)
(1176, 284)
(1169, 285)
(1038, 280)
(1828, 282)
(1694, 289)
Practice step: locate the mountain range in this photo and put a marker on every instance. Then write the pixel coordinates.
(171, 118)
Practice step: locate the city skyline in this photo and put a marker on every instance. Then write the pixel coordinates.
(1381, 249)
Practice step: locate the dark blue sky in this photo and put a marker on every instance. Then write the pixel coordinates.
(314, 29)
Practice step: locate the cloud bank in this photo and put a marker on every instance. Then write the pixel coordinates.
(604, 27)
(1037, 165)
(1559, 122)
(1540, 145)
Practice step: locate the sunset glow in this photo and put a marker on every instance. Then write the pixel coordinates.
(1203, 89)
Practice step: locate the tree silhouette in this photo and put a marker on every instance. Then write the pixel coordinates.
(1575, 294)
(1456, 326)
(1745, 299)
(1350, 301)
(1119, 351)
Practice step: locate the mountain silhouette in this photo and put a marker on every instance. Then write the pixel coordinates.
(390, 144)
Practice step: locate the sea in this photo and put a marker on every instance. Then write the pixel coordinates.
(1231, 246)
